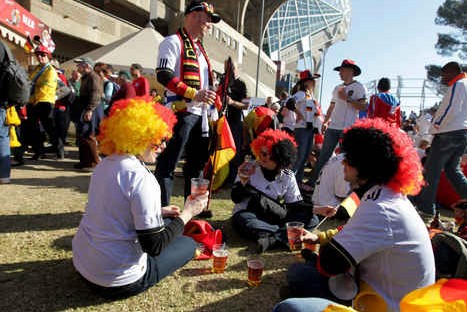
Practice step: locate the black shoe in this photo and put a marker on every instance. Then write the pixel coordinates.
(265, 242)
(206, 214)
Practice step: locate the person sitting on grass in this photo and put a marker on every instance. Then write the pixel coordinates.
(385, 246)
(125, 243)
(266, 193)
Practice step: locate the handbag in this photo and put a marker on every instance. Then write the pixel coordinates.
(265, 208)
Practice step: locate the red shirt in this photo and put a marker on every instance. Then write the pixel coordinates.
(141, 85)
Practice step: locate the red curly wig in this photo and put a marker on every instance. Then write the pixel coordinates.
(407, 177)
(280, 145)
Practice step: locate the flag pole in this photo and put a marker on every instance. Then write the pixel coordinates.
(260, 43)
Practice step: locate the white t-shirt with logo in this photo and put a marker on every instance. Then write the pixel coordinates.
(390, 242)
(283, 187)
(344, 114)
(170, 56)
(331, 188)
(307, 107)
(123, 197)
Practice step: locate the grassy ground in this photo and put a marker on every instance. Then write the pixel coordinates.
(40, 211)
(39, 214)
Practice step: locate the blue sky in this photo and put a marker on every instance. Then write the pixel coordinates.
(388, 38)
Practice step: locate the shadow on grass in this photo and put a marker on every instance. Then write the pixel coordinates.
(258, 299)
(39, 222)
(51, 285)
(76, 183)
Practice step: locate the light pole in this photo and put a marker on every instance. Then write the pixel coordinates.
(260, 43)
(323, 50)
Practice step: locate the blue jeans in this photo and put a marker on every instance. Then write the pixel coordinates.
(304, 280)
(186, 140)
(302, 305)
(304, 139)
(174, 256)
(445, 153)
(4, 146)
(331, 138)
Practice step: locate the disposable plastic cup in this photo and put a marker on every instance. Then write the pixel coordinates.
(294, 233)
(219, 259)
(255, 270)
(199, 186)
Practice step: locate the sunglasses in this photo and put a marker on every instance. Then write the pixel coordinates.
(42, 54)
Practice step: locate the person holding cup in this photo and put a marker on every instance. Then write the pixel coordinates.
(266, 193)
(384, 251)
(126, 241)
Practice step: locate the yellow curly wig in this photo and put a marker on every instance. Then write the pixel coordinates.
(133, 125)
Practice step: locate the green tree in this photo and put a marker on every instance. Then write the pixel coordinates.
(452, 13)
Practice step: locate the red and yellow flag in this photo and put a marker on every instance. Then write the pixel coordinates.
(351, 203)
(225, 151)
(446, 295)
(29, 45)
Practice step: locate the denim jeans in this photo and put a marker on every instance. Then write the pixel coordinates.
(186, 140)
(174, 256)
(445, 153)
(331, 138)
(4, 147)
(304, 139)
(302, 305)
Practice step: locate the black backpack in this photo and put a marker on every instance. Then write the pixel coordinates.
(15, 86)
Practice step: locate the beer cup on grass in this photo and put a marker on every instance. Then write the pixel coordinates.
(219, 259)
(294, 233)
(255, 270)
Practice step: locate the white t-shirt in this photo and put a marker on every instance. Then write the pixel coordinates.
(289, 119)
(284, 186)
(389, 240)
(123, 197)
(331, 187)
(306, 106)
(169, 57)
(344, 114)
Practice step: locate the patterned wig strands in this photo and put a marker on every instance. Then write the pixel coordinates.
(280, 145)
(133, 125)
(408, 178)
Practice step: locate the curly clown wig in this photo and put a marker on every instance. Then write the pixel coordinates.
(280, 145)
(383, 154)
(133, 125)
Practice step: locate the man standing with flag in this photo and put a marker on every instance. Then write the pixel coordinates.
(185, 71)
(384, 249)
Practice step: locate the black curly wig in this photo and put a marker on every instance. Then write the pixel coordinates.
(371, 152)
(284, 153)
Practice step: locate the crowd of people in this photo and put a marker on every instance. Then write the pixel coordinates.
(130, 236)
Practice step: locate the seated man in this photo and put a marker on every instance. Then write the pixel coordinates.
(385, 245)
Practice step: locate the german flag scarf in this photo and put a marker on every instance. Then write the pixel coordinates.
(189, 65)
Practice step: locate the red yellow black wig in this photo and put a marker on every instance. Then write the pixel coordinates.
(133, 125)
(383, 154)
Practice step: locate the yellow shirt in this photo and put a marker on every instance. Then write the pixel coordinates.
(45, 85)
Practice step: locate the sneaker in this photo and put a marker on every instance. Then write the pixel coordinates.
(205, 214)
(5, 181)
(265, 242)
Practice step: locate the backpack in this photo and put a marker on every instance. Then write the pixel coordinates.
(15, 86)
(204, 233)
(450, 253)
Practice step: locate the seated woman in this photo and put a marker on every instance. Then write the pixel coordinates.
(124, 245)
(384, 248)
(266, 194)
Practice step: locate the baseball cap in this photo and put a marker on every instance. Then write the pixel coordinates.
(125, 73)
(203, 6)
(85, 59)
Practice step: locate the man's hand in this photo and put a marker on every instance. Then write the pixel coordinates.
(205, 96)
(87, 115)
(309, 237)
(171, 211)
(327, 211)
(324, 127)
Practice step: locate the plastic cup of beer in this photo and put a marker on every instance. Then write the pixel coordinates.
(199, 186)
(255, 270)
(219, 259)
(294, 233)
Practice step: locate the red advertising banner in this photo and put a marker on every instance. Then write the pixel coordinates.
(21, 21)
